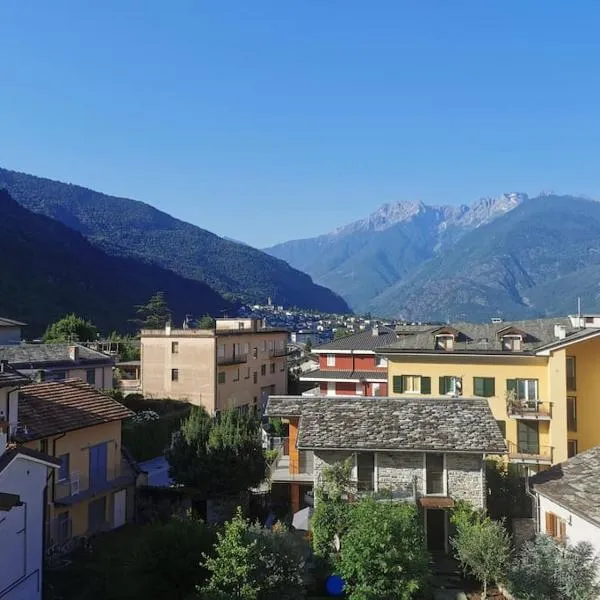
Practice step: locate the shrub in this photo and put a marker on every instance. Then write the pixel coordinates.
(150, 438)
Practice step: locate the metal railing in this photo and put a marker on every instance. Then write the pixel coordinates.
(238, 359)
(529, 409)
(528, 452)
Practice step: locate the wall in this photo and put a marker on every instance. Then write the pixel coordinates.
(466, 478)
(104, 376)
(10, 335)
(343, 362)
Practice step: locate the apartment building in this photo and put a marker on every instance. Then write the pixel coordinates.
(540, 377)
(349, 366)
(235, 365)
(80, 427)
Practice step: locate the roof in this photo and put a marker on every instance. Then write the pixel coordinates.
(11, 323)
(574, 484)
(437, 424)
(319, 375)
(486, 338)
(30, 355)
(365, 341)
(13, 453)
(157, 470)
(9, 377)
(56, 407)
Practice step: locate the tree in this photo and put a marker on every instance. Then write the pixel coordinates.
(218, 456)
(206, 322)
(71, 328)
(383, 553)
(341, 332)
(155, 314)
(547, 570)
(482, 546)
(253, 564)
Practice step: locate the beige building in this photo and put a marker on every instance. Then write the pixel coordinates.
(236, 365)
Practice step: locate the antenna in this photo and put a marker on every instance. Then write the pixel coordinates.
(579, 306)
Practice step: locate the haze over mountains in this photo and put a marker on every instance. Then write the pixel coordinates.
(509, 256)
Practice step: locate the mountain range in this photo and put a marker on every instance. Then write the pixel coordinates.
(511, 256)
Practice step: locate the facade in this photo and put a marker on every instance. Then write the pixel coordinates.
(349, 366)
(57, 362)
(10, 331)
(93, 488)
(540, 378)
(236, 365)
(428, 451)
(567, 499)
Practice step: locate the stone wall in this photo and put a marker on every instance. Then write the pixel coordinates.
(397, 470)
(465, 478)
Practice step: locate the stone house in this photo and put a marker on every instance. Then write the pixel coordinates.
(430, 451)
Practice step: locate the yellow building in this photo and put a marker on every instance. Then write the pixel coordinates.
(541, 378)
(93, 490)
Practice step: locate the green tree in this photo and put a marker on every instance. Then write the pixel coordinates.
(341, 332)
(383, 553)
(218, 456)
(206, 322)
(155, 314)
(71, 328)
(482, 546)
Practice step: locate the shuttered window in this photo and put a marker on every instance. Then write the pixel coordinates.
(415, 384)
(556, 527)
(425, 385)
(398, 384)
(484, 386)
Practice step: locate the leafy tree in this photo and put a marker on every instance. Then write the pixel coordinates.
(547, 570)
(71, 328)
(155, 314)
(341, 332)
(383, 553)
(253, 564)
(507, 497)
(482, 546)
(207, 448)
(206, 322)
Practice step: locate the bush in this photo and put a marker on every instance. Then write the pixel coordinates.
(150, 438)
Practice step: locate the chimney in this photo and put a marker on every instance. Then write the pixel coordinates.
(168, 328)
(375, 331)
(560, 332)
(3, 366)
(74, 353)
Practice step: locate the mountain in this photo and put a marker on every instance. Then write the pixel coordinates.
(48, 270)
(363, 259)
(129, 228)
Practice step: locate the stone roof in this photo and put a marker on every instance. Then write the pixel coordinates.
(23, 356)
(11, 323)
(56, 407)
(322, 375)
(365, 340)
(437, 424)
(9, 377)
(574, 484)
(485, 338)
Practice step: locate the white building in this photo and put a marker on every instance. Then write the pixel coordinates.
(567, 499)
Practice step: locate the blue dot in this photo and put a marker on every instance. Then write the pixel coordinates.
(335, 585)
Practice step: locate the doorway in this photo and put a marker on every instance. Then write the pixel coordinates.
(528, 437)
(435, 528)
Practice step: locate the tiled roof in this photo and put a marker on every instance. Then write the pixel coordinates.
(58, 406)
(365, 340)
(11, 323)
(9, 377)
(13, 453)
(321, 375)
(27, 355)
(485, 337)
(574, 484)
(384, 423)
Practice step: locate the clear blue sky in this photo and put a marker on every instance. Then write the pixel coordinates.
(267, 121)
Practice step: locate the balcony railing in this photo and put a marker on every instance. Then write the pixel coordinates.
(529, 409)
(238, 359)
(529, 453)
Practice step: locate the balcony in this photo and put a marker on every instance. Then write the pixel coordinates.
(529, 453)
(286, 469)
(81, 487)
(279, 352)
(535, 410)
(238, 359)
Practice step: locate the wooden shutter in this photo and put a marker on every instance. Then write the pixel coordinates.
(562, 530)
(443, 385)
(425, 385)
(489, 387)
(551, 524)
(398, 384)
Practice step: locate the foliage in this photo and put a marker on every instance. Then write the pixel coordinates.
(208, 447)
(547, 570)
(341, 332)
(129, 347)
(162, 406)
(383, 553)
(507, 497)
(482, 546)
(206, 322)
(278, 427)
(271, 456)
(155, 314)
(144, 416)
(253, 564)
(70, 328)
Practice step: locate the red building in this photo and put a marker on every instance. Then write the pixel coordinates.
(349, 366)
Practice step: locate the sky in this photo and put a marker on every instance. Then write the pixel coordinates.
(265, 121)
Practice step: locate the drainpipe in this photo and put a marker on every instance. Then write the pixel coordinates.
(536, 507)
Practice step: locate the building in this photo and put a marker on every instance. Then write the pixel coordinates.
(425, 450)
(57, 362)
(10, 331)
(567, 499)
(349, 365)
(93, 489)
(23, 478)
(236, 365)
(539, 376)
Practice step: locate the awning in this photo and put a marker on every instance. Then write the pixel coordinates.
(436, 502)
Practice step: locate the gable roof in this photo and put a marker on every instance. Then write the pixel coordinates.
(23, 356)
(13, 453)
(4, 322)
(9, 377)
(364, 340)
(436, 424)
(574, 484)
(56, 407)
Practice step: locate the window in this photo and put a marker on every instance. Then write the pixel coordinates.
(44, 446)
(571, 413)
(502, 427)
(556, 527)
(247, 374)
(450, 384)
(359, 389)
(331, 360)
(444, 342)
(221, 377)
(528, 437)
(246, 348)
(271, 345)
(484, 386)
(174, 347)
(255, 377)
(434, 474)
(63, 470)
(241, 325)
(90, 376)
(264, 345)
(174, 374)
(236, 375)
(272, 368)
(524, 389)
(512, 343)
(263, 370)
(282, 367)
(221, 351)
(571, 448)
(96, 514)
(381, 361)
(254, 352)
(571, 373)
(411, 384)
(365, 471)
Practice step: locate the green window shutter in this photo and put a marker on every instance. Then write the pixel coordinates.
(443, 385)
(478, 386)
(398, 384)
(489, 387)
(425, 385)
